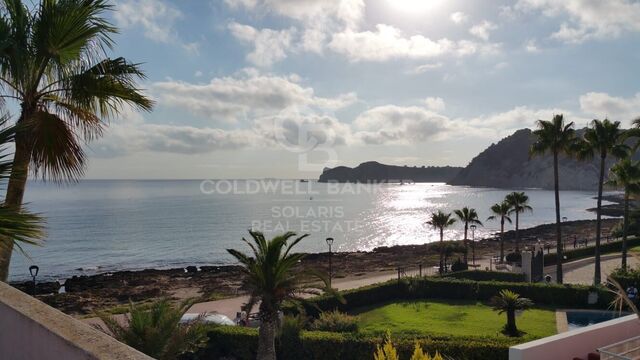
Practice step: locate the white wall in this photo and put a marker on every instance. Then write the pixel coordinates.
(579, 342)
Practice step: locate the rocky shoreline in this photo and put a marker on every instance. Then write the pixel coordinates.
(111, 292)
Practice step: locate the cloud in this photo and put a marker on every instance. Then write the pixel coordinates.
(270, 46)
(435, 103)
(483, 30)
(459, 17)
(531, 46)
(230, 99)
(587, 19)
(388, 42)
(602, 105)
(425, 67)
(156, 17)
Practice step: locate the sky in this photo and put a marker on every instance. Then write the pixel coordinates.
(284, 88)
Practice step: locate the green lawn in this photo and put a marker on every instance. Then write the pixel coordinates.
(452, 318)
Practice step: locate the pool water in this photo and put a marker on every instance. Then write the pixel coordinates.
(581, 318)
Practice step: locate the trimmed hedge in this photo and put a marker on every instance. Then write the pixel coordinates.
(581, 253)
(481, 275)
(242, 344)
(446, 288)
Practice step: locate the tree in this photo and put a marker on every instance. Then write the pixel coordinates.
(467, 216)
(557, 138)
(440, 221)
(271, 278)
(53, 64)
(602, 138)
(387, 351)
(519, 203)
(509, 302)
(501, 210)
(157, 331)
(625, 174)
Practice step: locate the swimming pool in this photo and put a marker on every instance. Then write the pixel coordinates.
(581, 318)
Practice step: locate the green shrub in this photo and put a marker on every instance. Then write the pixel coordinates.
(627, 277)
(585, 252)
(480, 275)
(230, 341)
(335, 321)
(289, 336)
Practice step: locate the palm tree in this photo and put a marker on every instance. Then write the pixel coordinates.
(501, 210)
(157, 331)
(509, 302)
(602, 138)
(519, 203)
(53, 64)
(16, 227)
(271, 279)
(555, 137)
(625, 174)
(467, 216)
(440, 221)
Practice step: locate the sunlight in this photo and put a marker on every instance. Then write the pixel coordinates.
(414, 6)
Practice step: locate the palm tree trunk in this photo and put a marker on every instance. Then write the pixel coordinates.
(267, 340)
(466, 244)
(625, 226)
(14, 195)
(441, 250)
(517, 233)
(502, 239)
(511, 323)
(596, 277)
(559, 256)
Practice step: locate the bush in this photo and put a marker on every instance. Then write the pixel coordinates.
(581, 253)
(289, 336)
(335, 321)
(480, 275)
(627, 277)
(513, 257)
(319, 345)
(459, 265)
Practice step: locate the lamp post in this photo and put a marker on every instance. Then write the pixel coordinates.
(473, 244)
(564, 246)
(330, 242)
(33, 270)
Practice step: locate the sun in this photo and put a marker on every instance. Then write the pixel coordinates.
(414, 6)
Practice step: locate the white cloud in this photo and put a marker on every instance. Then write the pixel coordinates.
(587, 19)
(531, 46)
(435, 103)
(459, 17)
(270, 46)
(230, 99)
(156, 17)
(483, 30)
(602, 105)
(426, 67)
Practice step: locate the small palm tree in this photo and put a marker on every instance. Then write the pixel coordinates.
(54, 66)
(555, 137)
(467, 216)
(519, 203)
(271, 278)
(501, 210)
(625, 174)
(509, 302)
(602, 138)
(157, 331)
(440, 221)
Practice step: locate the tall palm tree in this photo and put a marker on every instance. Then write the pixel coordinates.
(509, 302)
(157, 331)
(440, 221)
(519, 203)
(54, 65)
(557, 138)
(625, 174)
(602, 138)
(467, 216)
(271, 279)
(501, 210)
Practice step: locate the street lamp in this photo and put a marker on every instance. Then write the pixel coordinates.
(33, 270)
(473, 243)
(330, 242)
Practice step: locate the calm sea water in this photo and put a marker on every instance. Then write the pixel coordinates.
(96, 226)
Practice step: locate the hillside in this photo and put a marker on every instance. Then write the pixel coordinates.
(507, 164)
(373, 171)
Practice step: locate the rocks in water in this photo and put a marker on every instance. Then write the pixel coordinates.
(191, 269)
(42, 288)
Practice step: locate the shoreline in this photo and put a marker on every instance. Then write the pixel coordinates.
(111, 291)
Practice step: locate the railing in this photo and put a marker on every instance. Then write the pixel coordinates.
(624, 350)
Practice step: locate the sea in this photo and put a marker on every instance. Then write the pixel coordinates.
(108, 225)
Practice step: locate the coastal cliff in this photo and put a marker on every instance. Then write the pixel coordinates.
(507, 164)
(373, 171)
